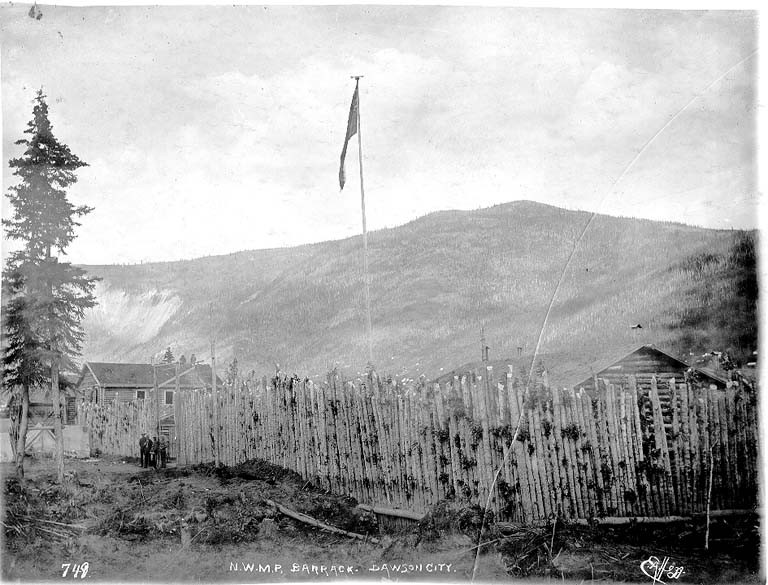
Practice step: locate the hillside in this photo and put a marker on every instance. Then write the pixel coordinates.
(434, 282)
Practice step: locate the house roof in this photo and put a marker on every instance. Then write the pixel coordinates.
(623, 352)
(117, 375)
(567, 369)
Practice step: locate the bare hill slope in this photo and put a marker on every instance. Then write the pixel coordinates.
(434, 282)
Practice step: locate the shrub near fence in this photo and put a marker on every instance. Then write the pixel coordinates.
(619, 452)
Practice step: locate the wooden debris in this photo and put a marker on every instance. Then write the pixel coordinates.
(317, 524)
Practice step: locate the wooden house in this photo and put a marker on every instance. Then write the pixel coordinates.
(644, 362)
(102, 382)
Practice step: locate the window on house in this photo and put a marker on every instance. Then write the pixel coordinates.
(141, 394)
(169, 397)
(71, 411)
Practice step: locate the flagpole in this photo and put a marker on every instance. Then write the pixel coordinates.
(365, 231)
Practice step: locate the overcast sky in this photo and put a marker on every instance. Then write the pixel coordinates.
(212, 130)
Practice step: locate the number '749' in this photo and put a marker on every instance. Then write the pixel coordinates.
(78, 570)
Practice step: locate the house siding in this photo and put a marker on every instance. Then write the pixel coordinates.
(87, 385)
(120, 394)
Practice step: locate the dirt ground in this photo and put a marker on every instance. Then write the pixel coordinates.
(203, 524)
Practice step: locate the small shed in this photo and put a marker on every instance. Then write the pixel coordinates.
(644, 362)
(41, 405)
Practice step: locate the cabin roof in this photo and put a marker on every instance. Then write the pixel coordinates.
(621, 354)
(566, 369)
(119, 375)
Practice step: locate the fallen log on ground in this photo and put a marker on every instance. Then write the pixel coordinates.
(392, 512)
(317, 524)
(618, 520)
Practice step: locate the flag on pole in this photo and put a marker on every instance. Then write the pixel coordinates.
(351, 131)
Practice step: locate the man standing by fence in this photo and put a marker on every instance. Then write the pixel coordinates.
(144, 450)
(162, 451)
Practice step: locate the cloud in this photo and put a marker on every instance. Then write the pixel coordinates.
(210, 130)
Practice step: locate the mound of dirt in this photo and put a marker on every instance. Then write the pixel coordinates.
(450, 517)
(116, 515)
(203, 504)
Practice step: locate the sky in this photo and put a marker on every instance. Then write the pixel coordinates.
(210, 130)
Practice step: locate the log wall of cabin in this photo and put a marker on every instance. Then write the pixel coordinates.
(644, 365)
(123, 394)
(87, 386)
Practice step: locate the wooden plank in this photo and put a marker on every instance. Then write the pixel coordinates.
(538, 461)
(685, 440)
(582, 472)
(604, 441)
(384, 455)
(437, 456)
(573, 507)
(723, 481)
(584, 413)
(465, 431)
(625, 462)
(745, 463)
(453, 438)
(331, 419)
(694, 409)
(368, 438)
(492, 461)
(352, 442)
(574, 438)
(556, 454)
(615, 436)
(429, 450)
(668, 500)
(706, 434)
(302, 436)
(509, 460)
(416, 450)
(400, 434)
(524, 471)
(675, 444)
(313, 407)
(592, 418)
(470, 458)
(636, 446)
(412, 442)
(488, 465)
(729, 453)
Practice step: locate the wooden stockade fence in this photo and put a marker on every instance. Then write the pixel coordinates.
(619, 452)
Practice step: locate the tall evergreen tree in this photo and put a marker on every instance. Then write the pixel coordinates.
(22, 366)
(168, 356)
(52, 295)
(232, 371)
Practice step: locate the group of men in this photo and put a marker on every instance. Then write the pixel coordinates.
(154, 451)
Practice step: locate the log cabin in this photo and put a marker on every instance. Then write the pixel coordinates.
(644, 362)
